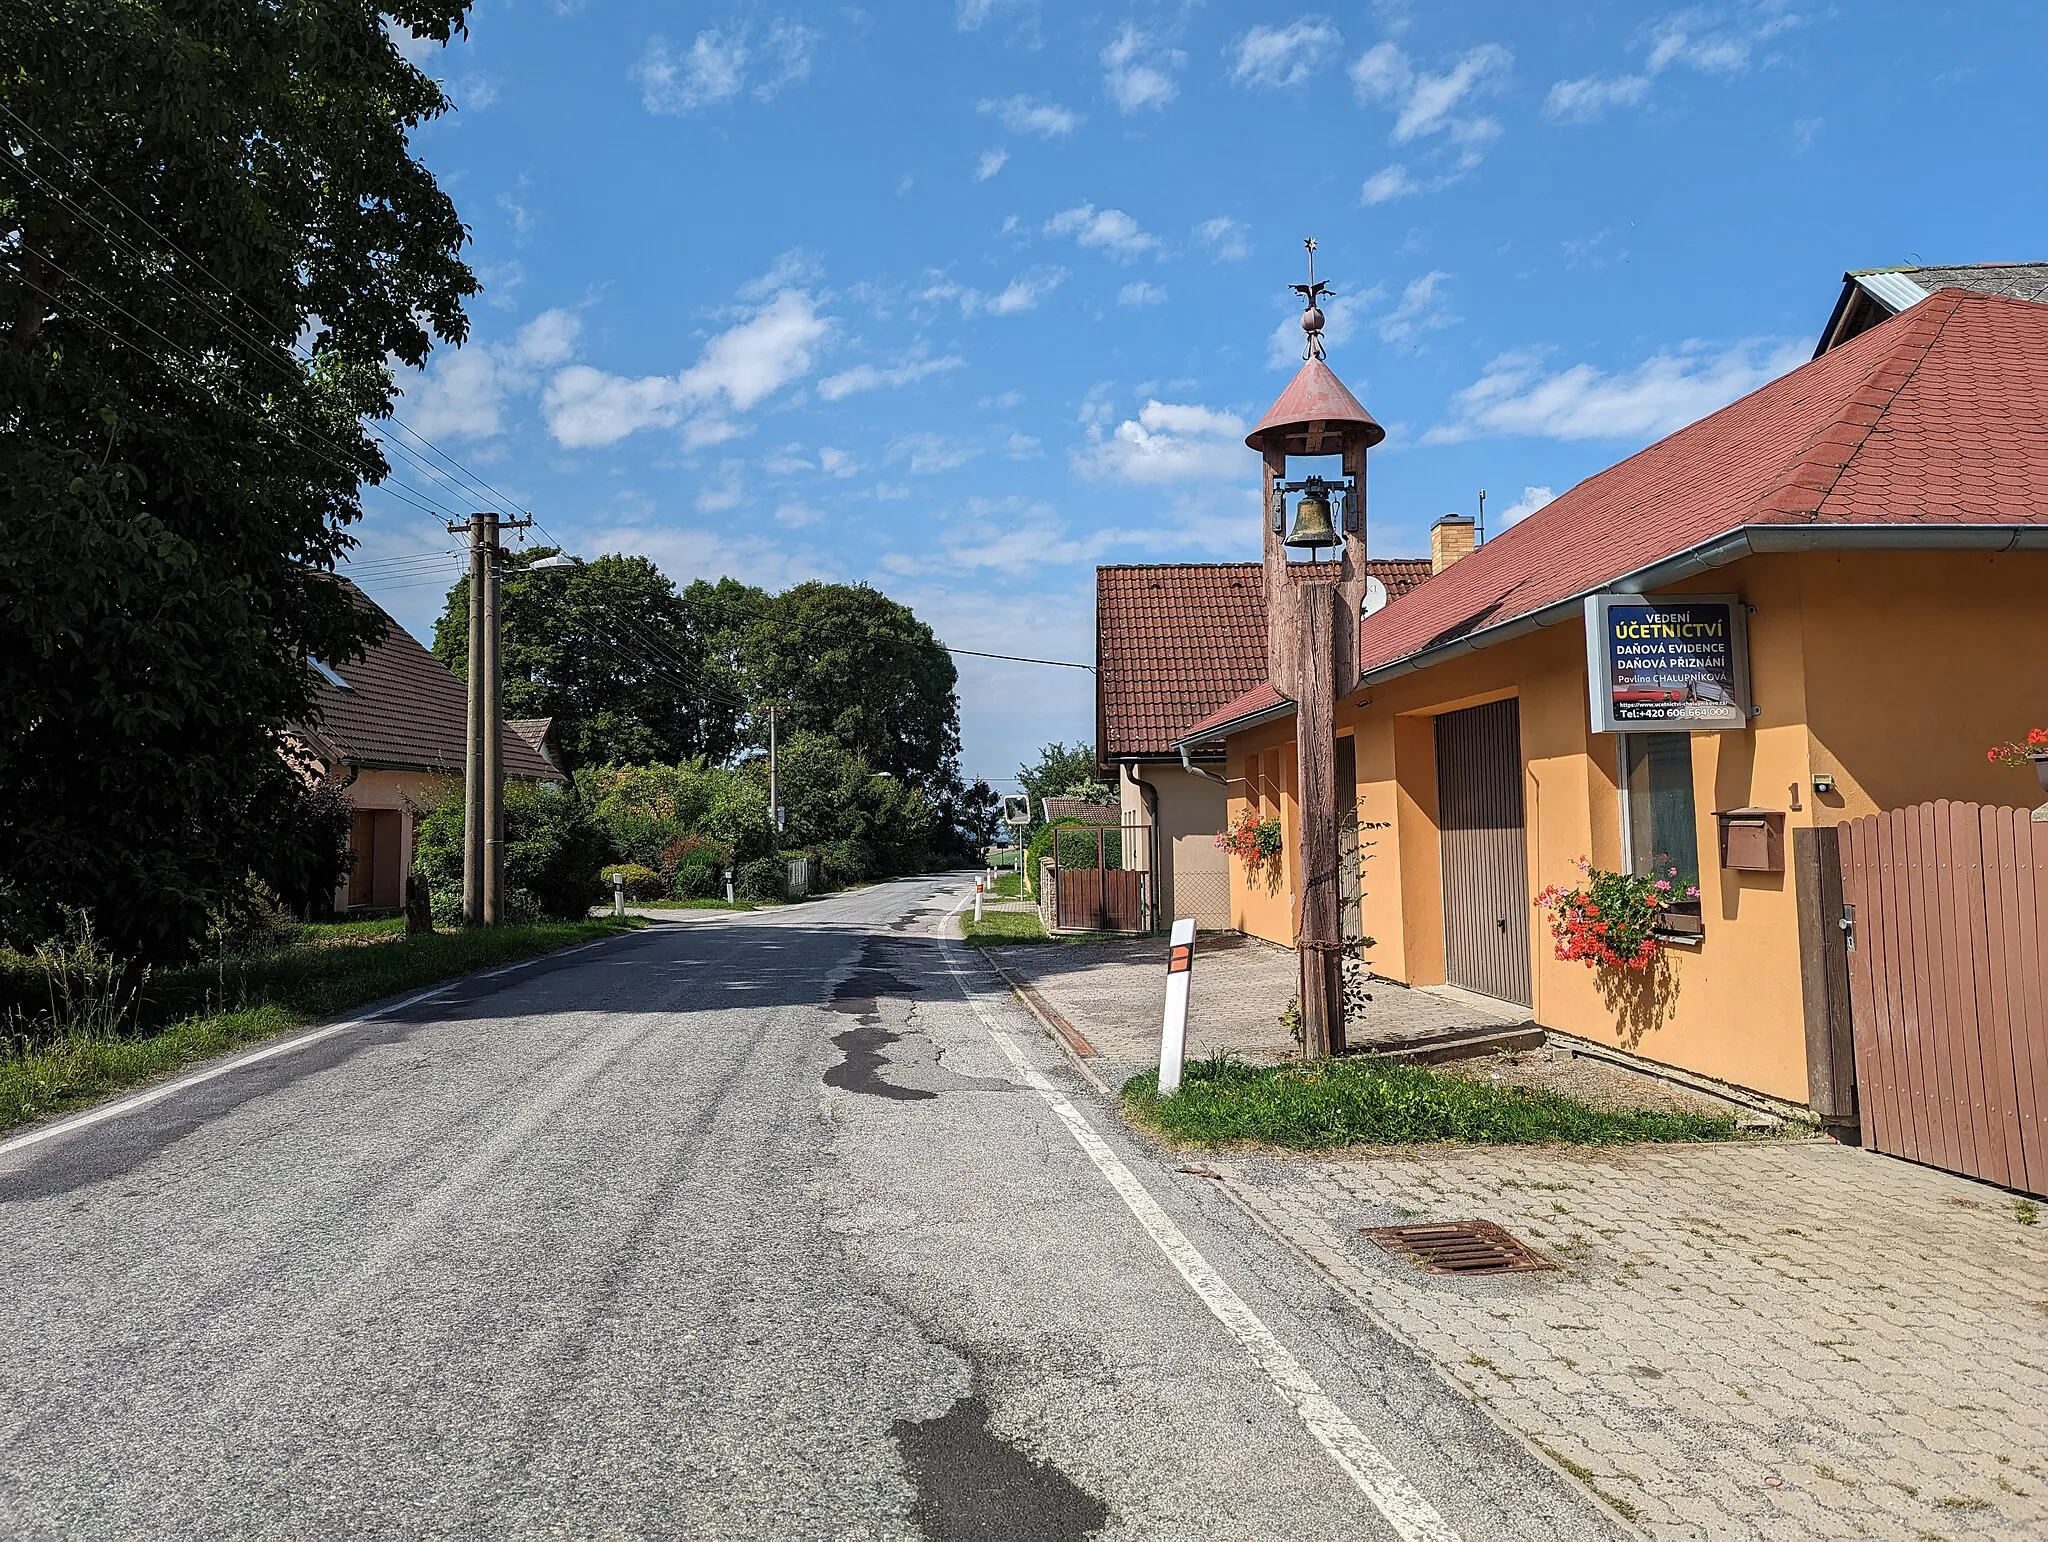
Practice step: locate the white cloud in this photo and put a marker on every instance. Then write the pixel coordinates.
(1387, 184)
(1516, 395)
(1804, 132)
(1137, 73)
(1424, 103)
(739, 367)
(1585, 99)
(719, 65)
(1420, 310)
(836, 463)
(1141, 293)
(869, 377)
(1225, 238)
(463, 394)
(473, 92)
(1167, 443)
(992, 161)
(1004, 402)
(1688, 39)
(1112, 230)
(930, 454)
(1532, 499)
(1028, 115)
(1020, 295)
(1279, 57)
(1021, 447)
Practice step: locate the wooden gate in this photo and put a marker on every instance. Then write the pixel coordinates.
(1485, 850)
(1945, 909)
(1101, 898)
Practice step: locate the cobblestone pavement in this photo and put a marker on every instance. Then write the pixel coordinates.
(1113, 992)
(1780, 1339)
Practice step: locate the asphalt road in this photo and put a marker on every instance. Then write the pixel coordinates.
(746, 1227)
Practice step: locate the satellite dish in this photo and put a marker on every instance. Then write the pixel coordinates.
(1375, 596)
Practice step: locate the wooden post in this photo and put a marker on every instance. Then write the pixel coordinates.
(1824, 976)
(473, 760)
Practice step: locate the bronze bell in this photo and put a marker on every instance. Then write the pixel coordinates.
(1312, 528)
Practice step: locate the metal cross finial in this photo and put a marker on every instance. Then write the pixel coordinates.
(1312, 313)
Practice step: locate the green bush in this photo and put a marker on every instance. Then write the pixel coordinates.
(1076, 848)
(698, 876)
(642, 883)
(553, 849)
(764, 878)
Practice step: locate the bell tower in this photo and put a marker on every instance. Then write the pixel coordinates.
(1313, 606)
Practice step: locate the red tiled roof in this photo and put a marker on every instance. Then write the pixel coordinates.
(403, 709)
(1175, 640)
(1938, 416)
(1261, 698)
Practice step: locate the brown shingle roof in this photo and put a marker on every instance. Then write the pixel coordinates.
(403, 710)
(1083, 809)
(1176, 640)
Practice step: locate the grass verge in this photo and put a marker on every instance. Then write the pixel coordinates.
(999, 928)
(207, 1010)
(1360, 1101)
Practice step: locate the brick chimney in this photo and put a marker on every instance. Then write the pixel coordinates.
(1450, 538)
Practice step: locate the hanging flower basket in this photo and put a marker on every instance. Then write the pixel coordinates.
(2019, 752)
(1253, 841)
(1611, 920)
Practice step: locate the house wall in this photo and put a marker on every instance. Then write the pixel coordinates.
(1891, 671)
(1192, 878)
(387, 805)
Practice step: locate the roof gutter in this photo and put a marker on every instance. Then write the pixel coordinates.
(1745, 541)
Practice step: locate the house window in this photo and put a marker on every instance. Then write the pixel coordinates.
(1659, 821)
(329, 675)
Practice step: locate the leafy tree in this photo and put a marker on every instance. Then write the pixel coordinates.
(1063, 771)
(854, 664)
(610, 651)
(866, 825)
(187, 190)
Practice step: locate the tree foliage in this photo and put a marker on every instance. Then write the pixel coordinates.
(611, 652)
(1063, 771)
(186, 191)
(554, 850)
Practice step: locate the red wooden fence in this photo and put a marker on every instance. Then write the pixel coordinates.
(1948, 947)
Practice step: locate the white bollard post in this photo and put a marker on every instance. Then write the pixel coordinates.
(618, 894)
(977, 904)
(1173, 1031)
(728, 886)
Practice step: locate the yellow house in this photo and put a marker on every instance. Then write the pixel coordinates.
(1869, 533)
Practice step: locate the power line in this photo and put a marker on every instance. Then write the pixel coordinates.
(1012, 658)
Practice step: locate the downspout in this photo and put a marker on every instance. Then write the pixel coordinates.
(1151, 796)
(1192, 769)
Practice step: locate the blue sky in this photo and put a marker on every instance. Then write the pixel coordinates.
(963, 299)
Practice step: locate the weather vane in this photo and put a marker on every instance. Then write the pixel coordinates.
(1312, 314)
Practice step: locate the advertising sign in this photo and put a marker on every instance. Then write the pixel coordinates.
(1676, 664)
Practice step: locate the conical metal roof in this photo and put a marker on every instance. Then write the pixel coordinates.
(1314, 397)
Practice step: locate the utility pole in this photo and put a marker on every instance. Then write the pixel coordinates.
(774, 794)
(483, 779)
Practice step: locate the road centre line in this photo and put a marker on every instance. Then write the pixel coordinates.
(285, 1046)
(1384, 1484)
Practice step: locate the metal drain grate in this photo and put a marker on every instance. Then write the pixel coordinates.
(1460, 1247)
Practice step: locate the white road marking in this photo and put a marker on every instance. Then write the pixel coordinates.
(287, 1046)
(1412, 1516)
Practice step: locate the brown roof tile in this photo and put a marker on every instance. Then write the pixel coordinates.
(403, 710)
(1176, 640)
